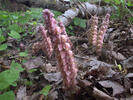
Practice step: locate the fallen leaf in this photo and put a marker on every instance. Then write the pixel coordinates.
(100, 69)
(53, 95)
(33, 63)
(128, 63)
(117, 88)
(21, 94)
(52, 77)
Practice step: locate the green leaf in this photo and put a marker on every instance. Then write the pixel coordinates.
(8, 77)
(130, 19)
(45, 90)
(16, 67)
(3, 47)
(15, 27)
(23, 54)
(24, 61)
(69, 32)
(107, 1)
(34, 23)
(15, 17)
(117, 2)
(4, 16)
(56, 13)
(28, 83)
(80, 22)
(130, 4)
(0, 31)
(119, 66)
(36, 12)
(70, 27)
(14, 84)
(83, 23)
(7, 96)
(24, 19)
(2, 38)
(14, 34)
(83, 0)
(76, 21)
(32, 70)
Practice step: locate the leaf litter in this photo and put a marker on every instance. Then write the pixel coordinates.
(98, 76)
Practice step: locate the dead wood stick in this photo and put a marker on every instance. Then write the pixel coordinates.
(93, 91)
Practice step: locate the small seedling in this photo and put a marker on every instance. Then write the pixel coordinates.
(45, 90)
(23, 54)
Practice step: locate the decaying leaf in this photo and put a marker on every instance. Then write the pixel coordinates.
(21, 94)
(128, 63)
(34, 63)
(52, 77)
(100, 69)
(117, 88)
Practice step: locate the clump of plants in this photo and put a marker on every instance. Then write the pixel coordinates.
(55, 38)
(122, 9)
(96, 36)
(17, 25)
(8, 78)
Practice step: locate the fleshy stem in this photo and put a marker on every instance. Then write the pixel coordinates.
(58, 39)
(101, 33)
(93, 31)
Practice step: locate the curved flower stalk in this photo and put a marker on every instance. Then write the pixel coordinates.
(66, 61)
(46, 44)
(63, 50)
(92, 37)
(57, 38)
(63, 32)
(50, 23)
(101, 33)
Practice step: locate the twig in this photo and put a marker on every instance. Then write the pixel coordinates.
(93, 91)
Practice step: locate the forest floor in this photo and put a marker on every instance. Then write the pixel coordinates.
(106, 76)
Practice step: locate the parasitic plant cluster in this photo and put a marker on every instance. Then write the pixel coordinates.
(55, 38)
(93, 30)
(96, 37)
(101, 33)
(45, 44)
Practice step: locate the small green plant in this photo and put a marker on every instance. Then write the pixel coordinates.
(69, 30)
(17, 24)
(122, 8)
(56, 13)
(45, 90)
(32, 70)
(27, 82)
(8, 78)
(3, 47)
(83, 0)
(119, 67)
(23, 54)
(7, 96)
(80, 22)
(14, 34)
(76, 22)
